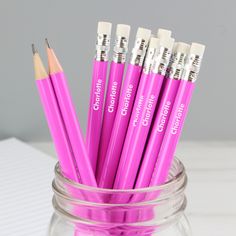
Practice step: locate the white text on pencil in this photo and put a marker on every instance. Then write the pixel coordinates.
(127, 100)
(166, 109)
(138, 109)
(148, 110)
(178, 117)
(97, 93)
(112, 97)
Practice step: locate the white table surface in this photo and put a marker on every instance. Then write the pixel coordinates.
(211, 191)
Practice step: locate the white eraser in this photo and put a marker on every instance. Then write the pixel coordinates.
(154, 42)
(163, 33)
(143, 33)
(123, 30)
(197, 49)
(175, 47)
(183, 47)
(167, 43)
(104, 28)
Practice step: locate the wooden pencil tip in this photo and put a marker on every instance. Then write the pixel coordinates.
(47, 43)
(34, 50)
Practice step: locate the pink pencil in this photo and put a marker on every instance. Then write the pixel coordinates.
(56, 125)
(163, 113)
(113, 92)
(178, 114)
(100, 63)
(54, 119)
(70, 119)
(143, 110)
(160, 170)
(124, 108)
(159, 70)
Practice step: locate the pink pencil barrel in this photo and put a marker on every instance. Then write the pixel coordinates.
(178, 115)
(95, 113)
(173, 132)
(57, 129)
(163, 114)
(156, 172)
(58, 132)
(126, 101)
(120, 126)
(143, 110)
(72, 125)
(110, 109)
(73, 128)
(139, 128)
(96, 110)
(113, 92)
(157, 133)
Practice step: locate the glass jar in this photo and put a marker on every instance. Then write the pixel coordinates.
(82, 210)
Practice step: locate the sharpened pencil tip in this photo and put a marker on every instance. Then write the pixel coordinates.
(34, 49)
(47, 43)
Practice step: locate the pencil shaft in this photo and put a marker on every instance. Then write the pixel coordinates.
(157, 133)
(173, 132)
(111, 105)
(57, 128)
(73, 128)
(140, 122)
(120, 126)
(94, 125)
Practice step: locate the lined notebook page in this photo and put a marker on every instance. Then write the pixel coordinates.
(25, 189)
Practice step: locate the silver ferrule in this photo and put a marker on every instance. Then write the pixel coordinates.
(102, 47)
(161, 61)
(176, 65)
(149, 60)
(138, 52)
(120, 49)
(192, 68)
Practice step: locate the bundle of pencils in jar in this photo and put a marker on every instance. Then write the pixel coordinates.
(133, 131)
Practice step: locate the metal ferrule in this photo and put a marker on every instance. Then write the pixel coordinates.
(102, 47)
(138, 52)
(176, 65)
(192, 68)
(161, 61)
(149, 60)
(120, 49)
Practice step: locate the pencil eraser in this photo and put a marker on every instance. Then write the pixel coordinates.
(143, 33)
(154, 42)
(197, 49)
(167, 42)
(104, 28)
(163, 33)
(175, 47)
(123, 30)
(183, 47)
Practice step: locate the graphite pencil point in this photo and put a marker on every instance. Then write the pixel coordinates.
(34, 49)
(47, 43)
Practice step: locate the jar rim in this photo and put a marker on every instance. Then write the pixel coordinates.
(168, 184)
(72, 199)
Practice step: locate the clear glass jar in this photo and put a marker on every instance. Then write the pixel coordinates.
(81, 210)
